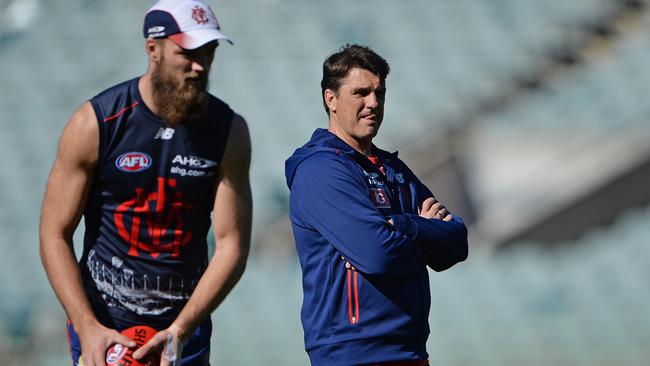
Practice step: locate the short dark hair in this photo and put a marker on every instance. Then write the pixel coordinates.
(337, 66)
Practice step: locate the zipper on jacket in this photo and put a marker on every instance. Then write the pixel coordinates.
(353, 294)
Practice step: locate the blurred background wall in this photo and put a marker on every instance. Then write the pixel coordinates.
(528, 118)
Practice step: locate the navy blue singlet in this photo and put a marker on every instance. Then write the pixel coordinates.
(148, 211)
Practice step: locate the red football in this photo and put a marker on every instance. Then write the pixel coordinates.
(120, 355)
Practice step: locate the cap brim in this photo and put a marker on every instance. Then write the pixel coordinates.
(197, 38)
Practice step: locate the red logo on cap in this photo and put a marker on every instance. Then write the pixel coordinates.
(198, 14)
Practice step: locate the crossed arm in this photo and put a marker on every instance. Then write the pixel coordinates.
(329, 197)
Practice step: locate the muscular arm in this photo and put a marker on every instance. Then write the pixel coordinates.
(232, 226)
(65, 198)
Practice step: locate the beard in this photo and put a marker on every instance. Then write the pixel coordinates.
(178, 103)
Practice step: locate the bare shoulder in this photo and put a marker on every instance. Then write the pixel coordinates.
(238, 146)
(239, 133)
(80, 138)
(70, 176)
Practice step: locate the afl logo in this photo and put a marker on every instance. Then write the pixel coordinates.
(133, 162)
(115, 354)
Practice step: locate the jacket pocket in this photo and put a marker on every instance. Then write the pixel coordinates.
(352, 281)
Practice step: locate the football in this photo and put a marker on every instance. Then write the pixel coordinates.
(120, 355)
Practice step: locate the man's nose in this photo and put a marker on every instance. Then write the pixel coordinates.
(372, 101)
(198, 65)
(201, 62)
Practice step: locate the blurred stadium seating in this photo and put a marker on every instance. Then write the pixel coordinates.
(515, 112)
(579, 304)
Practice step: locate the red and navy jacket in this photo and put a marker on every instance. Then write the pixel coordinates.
(147, 214)
(340, 204)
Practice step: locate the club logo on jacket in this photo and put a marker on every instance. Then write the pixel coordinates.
(379, 198)
(133, 162)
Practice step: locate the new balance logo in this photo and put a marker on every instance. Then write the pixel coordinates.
(164, 133)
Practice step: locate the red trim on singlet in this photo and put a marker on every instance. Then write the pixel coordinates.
(121, 111)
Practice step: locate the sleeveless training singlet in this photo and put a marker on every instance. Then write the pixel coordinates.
(148, 211)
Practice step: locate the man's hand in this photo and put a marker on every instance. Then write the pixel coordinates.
(167, 343)
(432, 209)
(95, 341)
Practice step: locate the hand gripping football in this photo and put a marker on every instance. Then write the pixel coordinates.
(120, 355)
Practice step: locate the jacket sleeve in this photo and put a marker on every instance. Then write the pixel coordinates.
(329, 194)
(441, 243)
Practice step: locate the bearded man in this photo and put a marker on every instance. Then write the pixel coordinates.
(147, 163)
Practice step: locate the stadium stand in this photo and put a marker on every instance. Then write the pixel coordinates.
(582, 303)
(484, 96)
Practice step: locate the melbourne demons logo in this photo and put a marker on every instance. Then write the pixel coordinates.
(199, 15)
(133, 162)
(379, 198)
(152, 222)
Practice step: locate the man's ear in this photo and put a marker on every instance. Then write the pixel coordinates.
(153, 49)
(330, 99)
